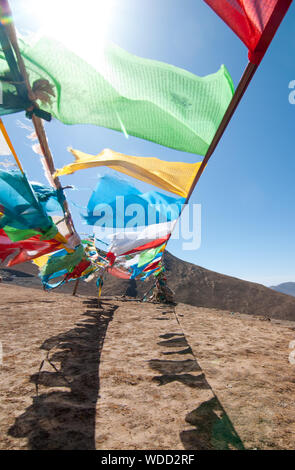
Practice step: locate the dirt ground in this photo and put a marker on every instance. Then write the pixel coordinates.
(141, 376)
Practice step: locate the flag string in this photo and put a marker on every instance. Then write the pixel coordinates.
(9, 143)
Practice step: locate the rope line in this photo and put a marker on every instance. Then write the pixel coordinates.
(9, 143)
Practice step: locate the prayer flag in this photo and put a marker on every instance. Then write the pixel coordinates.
(254, 21)
(141, 97)
(176, 177)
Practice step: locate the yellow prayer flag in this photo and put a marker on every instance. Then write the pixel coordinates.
(176, 177)
(41, 261)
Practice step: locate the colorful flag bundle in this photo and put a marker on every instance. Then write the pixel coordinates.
(141, 97)
(64, 265)
(140, 239)
(25, 250)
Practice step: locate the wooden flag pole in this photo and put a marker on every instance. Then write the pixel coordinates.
(76, 287)
(238, 95)
(242, 87)
(37, 122)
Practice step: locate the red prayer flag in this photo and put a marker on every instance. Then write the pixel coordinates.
(25, 250)
(254, 21)
(78, 270)
(152, 266)
(114, 271)
(148, 246)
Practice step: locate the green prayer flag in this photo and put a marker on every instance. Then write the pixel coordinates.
(148, 255)
(16, 234)
(141, 97)
(63, 260)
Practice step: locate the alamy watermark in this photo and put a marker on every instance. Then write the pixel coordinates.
(184, 222)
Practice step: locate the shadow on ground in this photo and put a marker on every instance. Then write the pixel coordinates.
(213, 429)
(212, 426)
(64, 417)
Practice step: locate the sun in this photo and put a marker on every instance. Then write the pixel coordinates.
(81, 25)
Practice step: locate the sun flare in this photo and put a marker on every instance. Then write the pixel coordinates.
(80, 25)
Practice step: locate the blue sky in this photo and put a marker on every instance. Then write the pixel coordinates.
(247, 190)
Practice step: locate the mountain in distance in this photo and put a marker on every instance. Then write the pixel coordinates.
(191, 284)
(286, 288)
